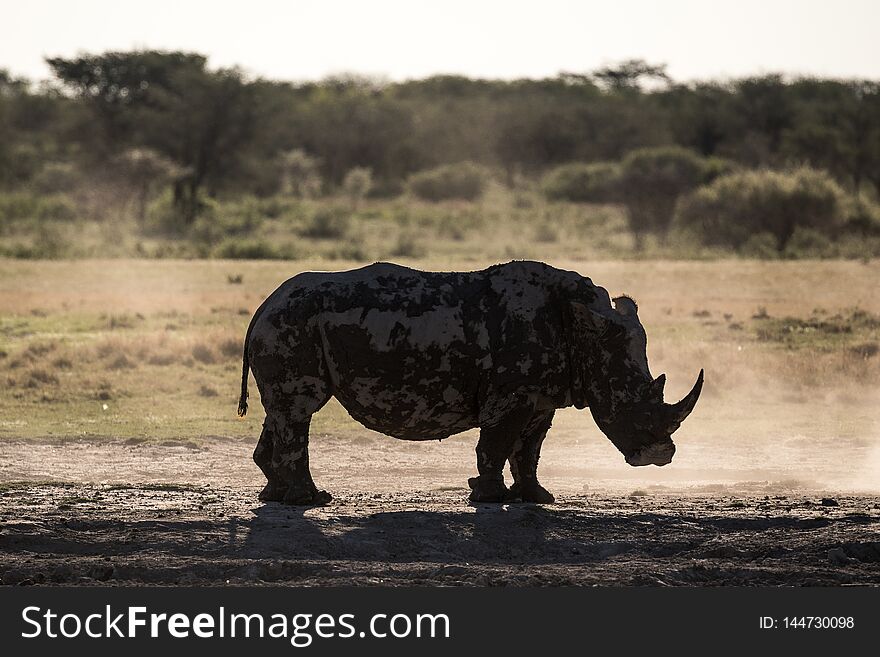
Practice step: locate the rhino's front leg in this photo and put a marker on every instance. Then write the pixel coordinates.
(290, 461)
(493, 449)
(524, 461)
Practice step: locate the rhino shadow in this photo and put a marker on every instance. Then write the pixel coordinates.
(487, 534)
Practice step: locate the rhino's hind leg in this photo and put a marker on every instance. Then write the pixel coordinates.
(289, 477)
(275, 487)
(524, 461)
(493, 449)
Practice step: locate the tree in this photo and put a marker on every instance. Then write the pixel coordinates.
(204, 122)
(144, 170)
(171, 103)
(700, 116)
(650, 182)
(350, 125)
(836, 127)
(629, 74)
(116, 83)
(764, 111)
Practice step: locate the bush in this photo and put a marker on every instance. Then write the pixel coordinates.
(327, 223)
(250, 249)
(715, 167)
(463, 181)
(240, 218)
(809, 243)
(299, 174)
(165, 217)
(737, 206)
(760, 245)
(651, 181)
(27, 207)
(408, 246)
(357, 184)
(579, 182)
(862, 218)
(56, 177)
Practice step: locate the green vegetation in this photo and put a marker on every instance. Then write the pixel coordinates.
(580, 182)
(152, 153)
(463, 181)
(799, 211)
(651, 182)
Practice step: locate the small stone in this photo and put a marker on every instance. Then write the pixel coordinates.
(829, 501)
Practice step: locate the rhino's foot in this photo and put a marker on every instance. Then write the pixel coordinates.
(487, 490)
(306, 497)
(272, 492)
(530, 491)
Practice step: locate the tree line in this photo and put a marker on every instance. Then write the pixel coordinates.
(145, 116)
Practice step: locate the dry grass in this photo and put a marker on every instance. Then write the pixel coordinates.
(159, 342)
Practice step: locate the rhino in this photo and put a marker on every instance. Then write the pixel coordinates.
(421, 355)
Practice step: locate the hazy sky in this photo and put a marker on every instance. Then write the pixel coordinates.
(300, 40)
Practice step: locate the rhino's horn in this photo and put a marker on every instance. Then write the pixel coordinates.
(680, 410)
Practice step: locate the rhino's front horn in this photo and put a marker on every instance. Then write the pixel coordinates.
(680, 410)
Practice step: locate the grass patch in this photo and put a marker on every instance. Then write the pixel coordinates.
(822, 331)
(64, 366)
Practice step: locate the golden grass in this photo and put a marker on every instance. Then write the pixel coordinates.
(159, 342)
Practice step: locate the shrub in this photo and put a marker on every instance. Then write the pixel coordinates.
(463, 181)
(862, 218)
(715, 167)
(652, 179)
(240, 218)
(203, 353)
(145, 170)
(230, 347)
(21, 206)
(737, 206)
(357, 184)
(579, 182)
(809, 243)
(56, 208)
(299, 174)
(408, 246)
(545, 233)
(327, 223)
(245, 248)
(49, 242)
(163, 216)
(56, 177)
(760, 245)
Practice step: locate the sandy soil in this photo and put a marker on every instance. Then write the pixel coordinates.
(128, 512)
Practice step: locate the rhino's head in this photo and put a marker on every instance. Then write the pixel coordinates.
(625, 400)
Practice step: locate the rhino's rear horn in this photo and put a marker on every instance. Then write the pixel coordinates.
(680, 410)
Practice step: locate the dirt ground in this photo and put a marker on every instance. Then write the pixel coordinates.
(131, 512)
(122, 460)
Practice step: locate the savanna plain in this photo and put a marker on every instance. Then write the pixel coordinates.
(122, 460)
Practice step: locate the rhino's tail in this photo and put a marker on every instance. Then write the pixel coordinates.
(246, 363)
(245, 366)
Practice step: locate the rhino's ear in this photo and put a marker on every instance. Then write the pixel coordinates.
(655, 391)
(626, 305)
(588, 320)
